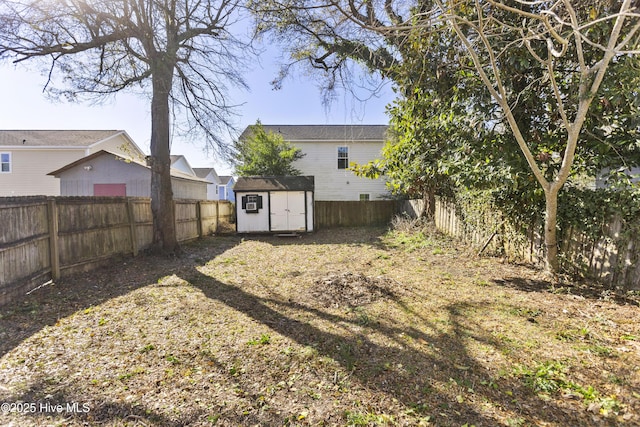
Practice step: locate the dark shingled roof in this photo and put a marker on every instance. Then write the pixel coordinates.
(274, 183)
(327, 133)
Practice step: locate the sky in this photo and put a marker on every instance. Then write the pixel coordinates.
(24, 106)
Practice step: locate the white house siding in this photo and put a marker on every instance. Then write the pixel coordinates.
(331, 183)
(182, 165)
(212, 189)
(29, 168)
(115, 144)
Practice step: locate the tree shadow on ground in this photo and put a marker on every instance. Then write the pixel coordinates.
(435, 372)
(44, 307)
(590, 290)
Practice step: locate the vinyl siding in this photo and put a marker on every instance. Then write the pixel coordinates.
(116, 144)
(29, 169)
(30, 166)
(331, 183)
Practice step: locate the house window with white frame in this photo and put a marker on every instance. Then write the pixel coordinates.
(5, 162)
(365, 197)
(343, 157)
(222, 194)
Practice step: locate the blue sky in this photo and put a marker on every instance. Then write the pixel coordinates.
(24, 106)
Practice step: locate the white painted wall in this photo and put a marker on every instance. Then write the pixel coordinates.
(253, 222)
(310, 215)
(182, 165)
(331, 183)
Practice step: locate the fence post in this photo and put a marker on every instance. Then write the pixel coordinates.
(132, 227)
(54, 254)
(217, 214)
(199, 217)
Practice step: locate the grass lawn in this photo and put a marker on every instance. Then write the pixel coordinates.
(341, 327)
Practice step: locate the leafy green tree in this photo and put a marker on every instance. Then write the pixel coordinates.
(180, 54)
(545, 69)
(263, 153)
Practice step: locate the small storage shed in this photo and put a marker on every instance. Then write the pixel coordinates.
(274, 204)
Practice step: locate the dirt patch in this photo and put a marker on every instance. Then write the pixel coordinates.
(352, 289)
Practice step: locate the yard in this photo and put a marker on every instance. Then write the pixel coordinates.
(358, 326)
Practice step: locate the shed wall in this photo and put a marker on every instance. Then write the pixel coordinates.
(253, 222)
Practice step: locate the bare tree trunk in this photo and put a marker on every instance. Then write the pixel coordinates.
(162, 207)
(429, 198)
(550, 231)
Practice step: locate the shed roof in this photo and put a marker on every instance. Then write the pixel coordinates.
(325, 132)
(274, 183)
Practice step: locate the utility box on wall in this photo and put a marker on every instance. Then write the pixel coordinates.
(274, 204)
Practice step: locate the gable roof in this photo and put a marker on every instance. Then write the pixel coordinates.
(224, 179)
(273, 183)
(57, 138)
(204, 172)
(324, 132)
(175, 173)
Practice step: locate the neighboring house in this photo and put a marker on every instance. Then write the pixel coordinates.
(27, 156)
(225, 188)
(109, 174)
(274, 204)
(601, 179)
(179, 162)
(210, 175)
(328, 151)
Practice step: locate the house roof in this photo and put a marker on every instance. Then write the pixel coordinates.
(325, 132)
(56, 138)
(224, 179)
(174, 172)
(204, 172)
(274, 183)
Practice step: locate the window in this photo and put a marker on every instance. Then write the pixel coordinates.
(343, 157)
(5, 162)
(221, 192)
(251, 203)
(365, 197)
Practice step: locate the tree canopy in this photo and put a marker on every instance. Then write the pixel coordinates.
(182, 54)
(521, 91)
(264, 153)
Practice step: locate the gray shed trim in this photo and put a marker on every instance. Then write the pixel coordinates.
(274, 183)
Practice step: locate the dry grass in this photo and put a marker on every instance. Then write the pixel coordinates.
(341, 327)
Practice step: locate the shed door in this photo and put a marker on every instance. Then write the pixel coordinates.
(287, 211)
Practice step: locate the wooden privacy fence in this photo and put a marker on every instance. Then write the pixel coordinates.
(354, 213)
(611, 258)
(44, 238)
